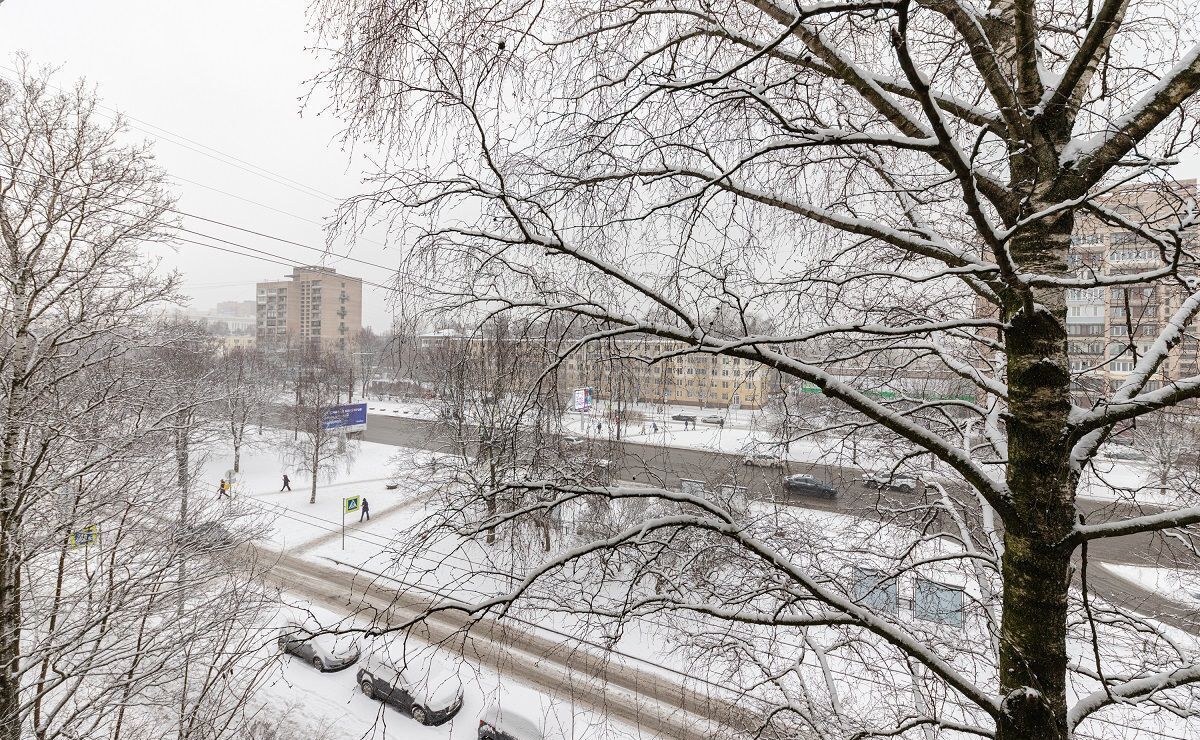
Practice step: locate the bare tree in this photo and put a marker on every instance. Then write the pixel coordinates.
(318, 447)
(896, 184)
(92, 611)
(249, 384)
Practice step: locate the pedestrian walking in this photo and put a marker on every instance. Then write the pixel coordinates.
(287, 483)
(223, 488)
(364, 510)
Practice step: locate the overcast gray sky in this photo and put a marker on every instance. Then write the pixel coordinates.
(227, 75)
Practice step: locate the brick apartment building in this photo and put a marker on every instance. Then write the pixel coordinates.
(315, 306)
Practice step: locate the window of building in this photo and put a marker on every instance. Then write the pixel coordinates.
(1121, 366)
(874, 590)
(938, 602)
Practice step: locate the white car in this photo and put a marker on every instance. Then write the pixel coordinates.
(763, 460)
(499, 723)
(888, 482)
(325, 651)
(572, 441)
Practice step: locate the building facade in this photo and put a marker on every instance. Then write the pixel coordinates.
(315, 306)
(1108, 328)
(623, 370)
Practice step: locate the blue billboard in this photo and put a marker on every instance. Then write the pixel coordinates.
(351, 417)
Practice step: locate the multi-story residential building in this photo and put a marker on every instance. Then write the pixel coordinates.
(1109, 327)
(315, 306)
(622, 370)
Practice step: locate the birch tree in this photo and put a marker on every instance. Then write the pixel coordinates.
(891, 181)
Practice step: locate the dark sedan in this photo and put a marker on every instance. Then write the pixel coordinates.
(807, 485)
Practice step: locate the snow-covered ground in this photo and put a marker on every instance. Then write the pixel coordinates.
(332, 705)
(1181, 586)
(315, 531)
(333, 708)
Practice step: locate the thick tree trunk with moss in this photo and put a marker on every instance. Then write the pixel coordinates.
(1036, 565)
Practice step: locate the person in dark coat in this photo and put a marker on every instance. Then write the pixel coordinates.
(287, 483)
(223, 488)
(364, 510)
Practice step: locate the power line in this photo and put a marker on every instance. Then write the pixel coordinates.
(196, 146)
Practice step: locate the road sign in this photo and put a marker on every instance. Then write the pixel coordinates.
(89, 535)
(351, 417)
(583, 399)
(350, 504)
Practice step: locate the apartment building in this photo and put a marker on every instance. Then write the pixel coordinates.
(1109, 327)
(315, 306)
(622, 369)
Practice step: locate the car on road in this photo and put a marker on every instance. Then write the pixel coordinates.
(572, 441)
(763, 460)
(807, 485)
(882, 481)
(325, 651)
(499, 723)
(205, 536)
(683, 417)
(714, 419)
(426, 687)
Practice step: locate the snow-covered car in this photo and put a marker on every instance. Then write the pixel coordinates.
(427, 688)
(890, 483)
(763, 460)
(325, 651)
(714, 419)
(501, 723)
(205, 536)
(572, 441)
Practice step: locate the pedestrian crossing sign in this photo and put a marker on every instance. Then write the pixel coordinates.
(350, 504)
(89, 535)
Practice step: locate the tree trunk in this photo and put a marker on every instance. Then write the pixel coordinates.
(316, 466)
(10, 535)
(1036, 569)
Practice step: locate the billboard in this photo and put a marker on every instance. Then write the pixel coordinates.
(350, 417)
(89, 535)
(583, 399)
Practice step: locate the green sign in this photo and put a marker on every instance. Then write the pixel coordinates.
(89, 535)
(350, 504)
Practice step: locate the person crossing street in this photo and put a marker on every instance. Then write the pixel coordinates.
(364, 510)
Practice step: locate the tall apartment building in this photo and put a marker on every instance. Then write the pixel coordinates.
(315, 306)
(1107, 327)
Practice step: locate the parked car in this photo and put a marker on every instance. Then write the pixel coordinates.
(714, 419)
(807, 485)
(890, 483)
(681, 416)
(572, 441)
(326, 651)
(425, 687)
(205, 536)
(498, 723)
(1122, 452)
(763, 460)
